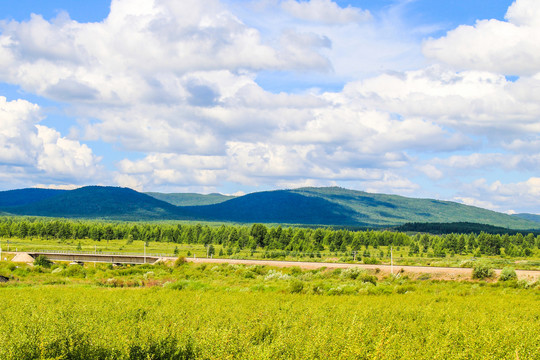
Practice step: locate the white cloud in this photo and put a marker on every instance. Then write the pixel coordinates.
(63, 157)
(469, 102)
(325, 11)
(58, 186)
(505, 47)
(76, 62)
(176, 83)
(501, 196)
(431, 171)
(486, 162)
(476, 202)
(28, 149)
(18, 136)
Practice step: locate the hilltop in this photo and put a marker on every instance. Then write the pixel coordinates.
(303, 206)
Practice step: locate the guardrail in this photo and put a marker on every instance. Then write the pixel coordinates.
(96, 253)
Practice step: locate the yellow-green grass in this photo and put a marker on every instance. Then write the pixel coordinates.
(400, 255)
(94, 323)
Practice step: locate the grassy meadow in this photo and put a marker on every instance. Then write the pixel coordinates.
(189, 311)
(379, 255)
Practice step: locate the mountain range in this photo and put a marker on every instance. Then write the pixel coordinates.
(303, 206)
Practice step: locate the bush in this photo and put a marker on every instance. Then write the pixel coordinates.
(351, 273)
(482, 270)
(74, 271)
(365, 278)
(371, 261)
(296, 286)
(508, 273)
(180, 261)
(43, 261)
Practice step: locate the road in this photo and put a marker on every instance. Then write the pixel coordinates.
(447, 273)
(442, 273)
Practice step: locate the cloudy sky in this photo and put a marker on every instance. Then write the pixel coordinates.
(420, 98)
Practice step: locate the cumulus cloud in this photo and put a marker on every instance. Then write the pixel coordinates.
(501, 196)
(18, 136)
(28, 149)
(191, 108)
(456, 165)
(325, 11)
(72, 61)
(505, 47)
(470, 102)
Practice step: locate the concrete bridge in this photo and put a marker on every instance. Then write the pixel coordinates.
(84, 257)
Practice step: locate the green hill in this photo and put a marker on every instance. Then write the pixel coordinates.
(529, 217)
(304, 206)
(457, 228)
(280, 206)
(190, 199)
(98, 202)
(26, 196)
(386, 210)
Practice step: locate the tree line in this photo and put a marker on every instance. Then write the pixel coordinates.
(273, 238)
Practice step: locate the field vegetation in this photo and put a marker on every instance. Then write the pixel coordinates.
(258, 241)
(186, 311)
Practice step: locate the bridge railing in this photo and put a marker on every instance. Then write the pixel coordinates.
(42, 251)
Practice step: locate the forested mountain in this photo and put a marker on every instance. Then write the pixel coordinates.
(190, 199)
(280, 206)
(530, 217)
(95, 202)
(26, 196)
(458, 228)
(385, 210)
(304, 206)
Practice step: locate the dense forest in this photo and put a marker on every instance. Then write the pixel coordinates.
(459, 227)
(259, 236)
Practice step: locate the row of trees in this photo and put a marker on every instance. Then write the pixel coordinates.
(271, 238)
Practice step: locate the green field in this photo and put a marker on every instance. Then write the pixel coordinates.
(254, 312)
(380, 255)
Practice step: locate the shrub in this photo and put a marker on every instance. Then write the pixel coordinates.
(74, 271)
(482, 270)
(508, 273)
(180, 261)
(42, 260)
(365, 278)
(296, 286)
(277, 275)
(351, 273)
(372, 261)
(179, 285)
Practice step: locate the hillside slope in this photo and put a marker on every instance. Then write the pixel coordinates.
(22, 197)
(99, 202)
(529, 217)
(304, 206)
(382, 209)
(280, 206)
(190, 199)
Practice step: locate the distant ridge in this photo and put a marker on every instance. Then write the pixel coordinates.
(304, 206)
(190, 199)
(529, 217)
(26, 196)
(97, 202)
(279, 206)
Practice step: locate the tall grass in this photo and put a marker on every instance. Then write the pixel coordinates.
(254, 312)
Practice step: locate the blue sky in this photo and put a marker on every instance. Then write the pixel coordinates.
(418, 98)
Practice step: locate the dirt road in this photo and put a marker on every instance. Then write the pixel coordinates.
(446, 273)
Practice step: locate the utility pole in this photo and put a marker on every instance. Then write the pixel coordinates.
(145, 252)
(391, 261)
